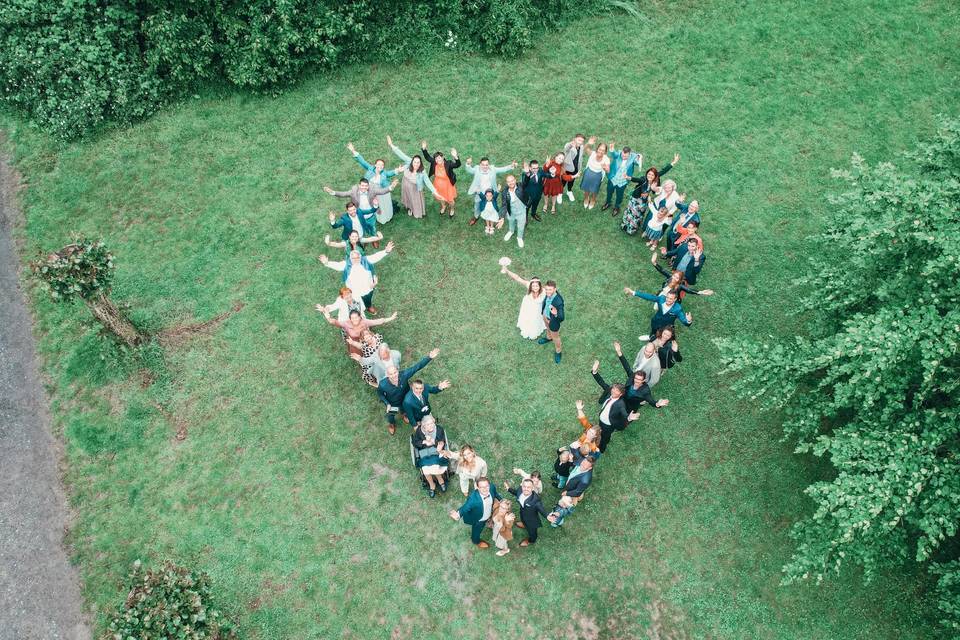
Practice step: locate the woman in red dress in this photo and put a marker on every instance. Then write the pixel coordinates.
(553, 181)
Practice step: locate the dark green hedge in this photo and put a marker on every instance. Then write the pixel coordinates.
(72, 66)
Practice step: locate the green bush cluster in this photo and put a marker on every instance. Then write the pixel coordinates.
(167, 603)
(876, 388)
(83, 269)
(72, 67)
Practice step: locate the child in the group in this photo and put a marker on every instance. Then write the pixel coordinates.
(503, 520)
(490, 212)
(563, 509)
(653, 229)
(532, 477)
(562, 467)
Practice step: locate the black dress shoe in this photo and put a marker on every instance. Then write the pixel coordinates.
(605, 206)
(616, 212)
(443, 488)
(537, 217)
(432, 493)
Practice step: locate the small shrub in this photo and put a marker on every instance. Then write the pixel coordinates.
(84, 270)
(170, 602)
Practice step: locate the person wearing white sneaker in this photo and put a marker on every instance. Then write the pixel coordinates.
(513, 206)
(572, 154)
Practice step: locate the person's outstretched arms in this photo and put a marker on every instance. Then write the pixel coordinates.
(380, 321)
(514, 277)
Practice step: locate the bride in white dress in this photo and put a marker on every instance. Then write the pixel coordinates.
(530, 320)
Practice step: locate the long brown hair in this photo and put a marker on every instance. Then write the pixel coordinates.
(470, 466)
(530, 286)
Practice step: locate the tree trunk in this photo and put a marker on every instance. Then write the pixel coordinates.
(114, 321)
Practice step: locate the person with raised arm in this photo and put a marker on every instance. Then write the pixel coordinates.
(393, 389)
(687, 258)
(685, 223)
(530, 320)
(350, 222)
(636, 211)
(364, 196)
(470, 466)
(637, 390)
(622, 164)
(477, 509)
(416, 404)
(378, 176)
(532, 183)
(614, 414)
(572, 160)
(667, 309)
(354, 326)
(531, 508)
(353, 242)
(484, 180)
(414, 180)
(677, 280)
(359, 274)
(554, 177)
(444, 177)
(514, 208)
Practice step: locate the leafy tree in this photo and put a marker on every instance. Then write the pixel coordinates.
(84, 270)
(876, 386)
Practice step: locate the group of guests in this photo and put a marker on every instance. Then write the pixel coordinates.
(671, 230)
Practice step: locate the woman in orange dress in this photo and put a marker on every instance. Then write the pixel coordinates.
(444, 177)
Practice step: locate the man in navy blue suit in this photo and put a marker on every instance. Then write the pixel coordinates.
(552, 310)
(393, 389)
(416, 404)
(477, 510)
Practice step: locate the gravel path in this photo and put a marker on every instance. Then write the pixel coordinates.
(39, 588)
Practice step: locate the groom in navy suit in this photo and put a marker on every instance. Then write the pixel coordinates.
(477, 510)
(552, 310)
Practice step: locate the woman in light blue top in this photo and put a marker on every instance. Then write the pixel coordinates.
(414, 180)
(378, 176)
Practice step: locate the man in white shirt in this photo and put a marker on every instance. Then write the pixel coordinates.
(514, 207)
(531, 508)
(614, 415)
(477, 510)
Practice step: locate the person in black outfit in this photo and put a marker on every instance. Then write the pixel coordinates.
(614, 415)
(637, 391)
(668, 349)
(393, 389)
(532, 184)
(531, 508)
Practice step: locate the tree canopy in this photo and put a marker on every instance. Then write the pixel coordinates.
(875, 387)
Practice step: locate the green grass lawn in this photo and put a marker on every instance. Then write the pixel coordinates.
(287, 489)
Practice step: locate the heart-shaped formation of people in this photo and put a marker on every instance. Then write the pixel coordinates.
(654, 209)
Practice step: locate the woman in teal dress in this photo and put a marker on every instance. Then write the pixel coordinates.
(379, 176)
